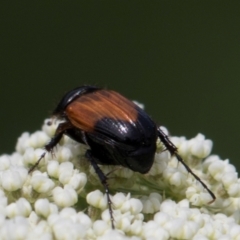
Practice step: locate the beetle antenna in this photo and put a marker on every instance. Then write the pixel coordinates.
(173, 151)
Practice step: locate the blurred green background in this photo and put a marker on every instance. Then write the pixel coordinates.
(180, 58)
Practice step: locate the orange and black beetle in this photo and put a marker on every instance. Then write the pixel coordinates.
(117, 131)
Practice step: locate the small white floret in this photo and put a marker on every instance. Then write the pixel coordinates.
(20, 208)
(41, 183)
(64, 197)
(13, 179)
(53, 168)
(78, 181)
(4, 162)
(63, 154)
(65, 229)
(100, 227)
(200, 147)
(65, 172)
(97, 199)
(42, 207)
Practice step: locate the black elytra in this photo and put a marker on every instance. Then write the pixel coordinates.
(117, 131)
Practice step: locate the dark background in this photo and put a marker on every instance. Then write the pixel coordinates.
(180, 58)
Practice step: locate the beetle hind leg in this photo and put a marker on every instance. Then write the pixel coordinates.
(173, 151)
(103, 178)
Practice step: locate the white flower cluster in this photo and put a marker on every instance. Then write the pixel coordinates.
(64, 199)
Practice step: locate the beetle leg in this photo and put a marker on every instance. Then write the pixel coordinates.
(166, 141)
(173, 151)
(84, 138)
(62, 127)
(103, 178)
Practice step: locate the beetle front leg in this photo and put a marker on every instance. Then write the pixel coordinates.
(62, 127)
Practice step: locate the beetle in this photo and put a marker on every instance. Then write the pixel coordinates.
(117, 131)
